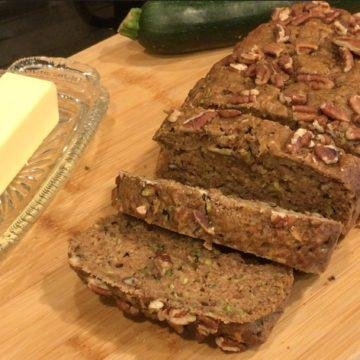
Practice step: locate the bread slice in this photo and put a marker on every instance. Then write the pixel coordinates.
(255, 158)
(168, 277)
(302, 241)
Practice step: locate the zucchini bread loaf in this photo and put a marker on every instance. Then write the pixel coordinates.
(168, 277)
(277, 119)
(302, 241)
(260, 159)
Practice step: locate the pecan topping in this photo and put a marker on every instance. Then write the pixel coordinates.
(229, 113)
(324, 139)
(174, 115)
(281, 14)
(327, 153)
(207, 325)
(227, 344)
(331, 15)
(131, 281)
(180, 317)
(198, 121)
(263, 74)
(305, 48)
(352, 43)
(304, 108)
(255, 92)
(273, 49)
(98, 287)
(347, 58)
(203, 221)
(284, 99)
(300, 19)
(316, 81)
(353, 133)
(281, 220)
(299, 99)
(354, 103)
(251, 71)
(340, 28)
(155, 305)
(304, 112)
(141, 210)
(320, 123)
(238, 66)
(281, 34)
(286, 63)
(279, 79)
(252, 56)
(301, 138)
(127, 308)
(162, 263)
(242, 99)
(333, 112)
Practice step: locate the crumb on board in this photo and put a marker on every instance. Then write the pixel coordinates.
(331, 278)
(87, 168)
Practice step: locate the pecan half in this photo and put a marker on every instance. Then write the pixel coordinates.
(301, 138)
(347, 58)
(273, 49)
(354, 102)
(304, 112)
(127, 308)
(242, 99)
(198, 121)
(295, 99)
(252, 56)
(284, 99)
(99, 287)
(229, 113)
(304, 108)
(329, 154)
(316, 81)
(228, 344)
(305, 48)
(333, 112)
(238, 66)
(281, 14)
(263, 74)
(340, 28)
(180, 317)
(353, 133)
(286, 63)
(281, 34)
(203, 221)
(352, 43)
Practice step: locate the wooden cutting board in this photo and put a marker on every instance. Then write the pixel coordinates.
(47, 313)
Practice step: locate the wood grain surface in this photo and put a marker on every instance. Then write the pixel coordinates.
(47, 313)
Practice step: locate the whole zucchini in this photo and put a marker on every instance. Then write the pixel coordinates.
(173, 26)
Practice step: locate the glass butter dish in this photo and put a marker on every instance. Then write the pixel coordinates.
(82, 104)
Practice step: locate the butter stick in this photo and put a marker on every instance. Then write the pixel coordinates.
(28, 113)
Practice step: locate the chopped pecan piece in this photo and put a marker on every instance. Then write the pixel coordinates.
(353, 133)
(273, 49)
(304, 112)
(286, 63)
(255, 92)
(301, 138)
(207, 325)
(239, 66)
(299, 99)
(279, 79)
(263, 74)
(316, 81)
(340, 28)
(320, 123)
(127, 308)
(305, 48)
(347, 58)
(141, 210)
(301, 116)
(163, 263)
(324, 139)
(329, 154)
(156, 305)
(354, 102)
(203, 221)
(227, 344)
(98, 287)
(300, 19)
(333, 112)
(242, 99)
(174, 115)
(229, 113)
(180, 317)
(281, 34)
(304, 108)
(331, 15)
(251, 71)
(252, 56)
(198, 121)
(352, 43)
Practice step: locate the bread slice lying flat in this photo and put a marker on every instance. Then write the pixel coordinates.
(226, 298)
